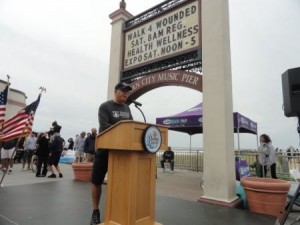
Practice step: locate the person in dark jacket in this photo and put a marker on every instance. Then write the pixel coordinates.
(42, 153)
(56, 144)
(71, 143)
(20, 151)
(89, 145)
(168, 157)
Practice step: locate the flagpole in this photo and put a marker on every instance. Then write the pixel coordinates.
(43, 89)
(7, 86)
(8, 77)
(2, 123)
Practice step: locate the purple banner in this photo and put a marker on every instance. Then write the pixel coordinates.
(241, 169)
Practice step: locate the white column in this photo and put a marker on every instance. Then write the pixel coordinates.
(218, 139)
(116, 48)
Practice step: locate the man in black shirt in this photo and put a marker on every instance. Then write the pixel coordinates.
(89, 145)
(110, 112)
(168, 157)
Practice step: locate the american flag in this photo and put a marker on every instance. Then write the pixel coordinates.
(21, 124)
(3, 101)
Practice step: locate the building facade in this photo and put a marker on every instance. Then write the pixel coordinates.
(16, 100)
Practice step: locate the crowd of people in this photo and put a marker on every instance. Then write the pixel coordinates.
(84, 146)
(47, 146)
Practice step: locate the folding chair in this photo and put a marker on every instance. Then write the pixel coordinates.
(293, 196)
(295, 174)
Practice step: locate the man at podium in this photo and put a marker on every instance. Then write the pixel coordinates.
(110, 112)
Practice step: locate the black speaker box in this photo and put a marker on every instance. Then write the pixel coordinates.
(291, 92)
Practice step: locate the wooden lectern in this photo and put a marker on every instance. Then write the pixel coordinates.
(130, 198)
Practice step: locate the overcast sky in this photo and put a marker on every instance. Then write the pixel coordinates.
(64, 45)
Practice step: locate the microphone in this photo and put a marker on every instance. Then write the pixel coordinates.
(136, 103)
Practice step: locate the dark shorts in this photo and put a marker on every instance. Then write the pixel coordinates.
(99, 167)
(54, 158)
(28, 155)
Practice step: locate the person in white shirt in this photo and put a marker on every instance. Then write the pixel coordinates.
(79, 147)
(266, 153)
(29, 148)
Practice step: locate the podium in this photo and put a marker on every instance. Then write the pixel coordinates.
(130, 197)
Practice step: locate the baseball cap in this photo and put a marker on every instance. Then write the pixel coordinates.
(122, 86)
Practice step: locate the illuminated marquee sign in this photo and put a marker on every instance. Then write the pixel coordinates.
(174, 33)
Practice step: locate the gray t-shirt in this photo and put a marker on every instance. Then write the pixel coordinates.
(111, 112)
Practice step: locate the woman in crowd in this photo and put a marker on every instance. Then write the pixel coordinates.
(266, 153)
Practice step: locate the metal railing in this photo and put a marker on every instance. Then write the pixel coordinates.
(185, 160)
(193, 161)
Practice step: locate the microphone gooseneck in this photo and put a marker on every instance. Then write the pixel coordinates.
(137, 104)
